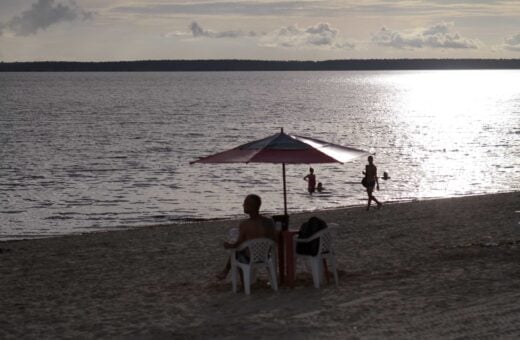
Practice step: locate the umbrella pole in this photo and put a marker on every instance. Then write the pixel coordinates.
(284, 191)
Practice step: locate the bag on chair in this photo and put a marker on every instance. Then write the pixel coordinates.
(307, 229)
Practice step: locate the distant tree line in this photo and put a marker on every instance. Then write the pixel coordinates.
(259, 65)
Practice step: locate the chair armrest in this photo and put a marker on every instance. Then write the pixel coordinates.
(308, 239)
(247, 243)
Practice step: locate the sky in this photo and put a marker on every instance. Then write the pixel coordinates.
(106, 30)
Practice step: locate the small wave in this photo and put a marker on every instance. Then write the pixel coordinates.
(79, 204)
(42, 205)
(34, 177)
(105, 170)
(79, 175)
(141, 185)
(194, 134)
(104, 218)
(112, 201)
(58, 217)
(180, 220)
(119, 213)
(160, 149)
(13, 185)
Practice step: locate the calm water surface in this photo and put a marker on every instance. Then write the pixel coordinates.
(96, 151)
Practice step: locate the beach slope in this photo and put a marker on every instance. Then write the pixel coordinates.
(446, 268)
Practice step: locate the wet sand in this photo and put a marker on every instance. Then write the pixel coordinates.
(447, 268)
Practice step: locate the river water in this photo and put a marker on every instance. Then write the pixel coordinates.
(87, 152)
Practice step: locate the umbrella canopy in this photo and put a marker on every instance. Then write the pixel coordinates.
(284, 149)
(289, 149)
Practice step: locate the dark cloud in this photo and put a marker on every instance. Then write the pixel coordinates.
(512, 43)
(319, 35)
(43, 14)
(437, 36)
(197, 31)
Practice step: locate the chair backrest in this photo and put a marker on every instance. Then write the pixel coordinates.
(325, 241)
(259, 249)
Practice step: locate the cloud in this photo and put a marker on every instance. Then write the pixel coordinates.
(43, 14)
(512, 43)
(320, 35)
(437, 36)
(196, 31)
(254, 8)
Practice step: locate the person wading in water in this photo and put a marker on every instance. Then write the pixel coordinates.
(311, 181)
(371, 176)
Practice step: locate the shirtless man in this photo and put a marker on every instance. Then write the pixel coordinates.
(256, 226)
(311, 179)
(371, 175)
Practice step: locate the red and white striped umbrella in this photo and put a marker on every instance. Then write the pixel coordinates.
(286, 149)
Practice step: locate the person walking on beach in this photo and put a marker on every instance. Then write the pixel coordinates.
(372, 181)
(256, 226)
(311, 181)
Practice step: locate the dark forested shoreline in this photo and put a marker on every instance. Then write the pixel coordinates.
(259, 65)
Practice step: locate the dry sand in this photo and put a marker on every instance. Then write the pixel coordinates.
(445, 268)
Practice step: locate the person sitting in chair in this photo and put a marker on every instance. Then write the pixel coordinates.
(256, 226)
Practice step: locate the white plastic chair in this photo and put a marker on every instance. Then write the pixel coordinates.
(262, 254)
(325, 252)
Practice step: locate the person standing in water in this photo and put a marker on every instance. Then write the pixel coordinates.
(371, 176)
(311, 181)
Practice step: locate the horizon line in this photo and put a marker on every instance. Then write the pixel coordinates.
(262, 60)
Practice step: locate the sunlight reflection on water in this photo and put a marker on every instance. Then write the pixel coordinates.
(457, 121)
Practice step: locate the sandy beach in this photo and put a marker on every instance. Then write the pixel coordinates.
(446, 268)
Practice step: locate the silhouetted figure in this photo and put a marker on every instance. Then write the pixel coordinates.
(311, 181)
(320, 187)
(256, 226)
(372, 181)
(385, 176)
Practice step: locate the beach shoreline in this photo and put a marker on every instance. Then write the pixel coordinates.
(436, 268)
(233, 218)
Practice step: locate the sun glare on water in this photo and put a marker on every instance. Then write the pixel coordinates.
(444, 113)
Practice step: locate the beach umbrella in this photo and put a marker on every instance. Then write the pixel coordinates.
(282, 148)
